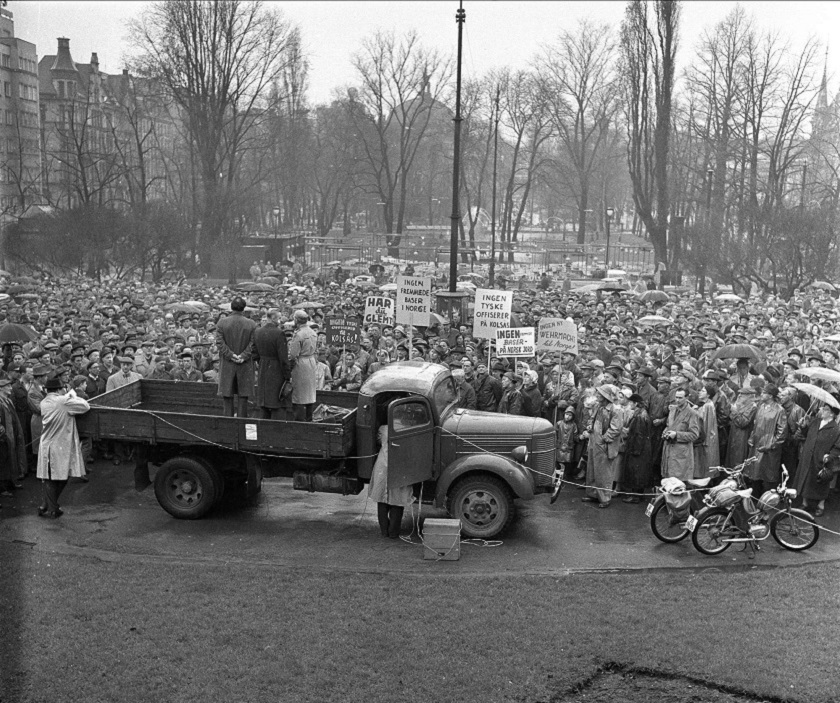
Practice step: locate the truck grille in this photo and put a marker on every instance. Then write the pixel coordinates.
(542, 459)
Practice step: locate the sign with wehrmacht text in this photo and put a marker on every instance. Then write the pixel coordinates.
(557, 334)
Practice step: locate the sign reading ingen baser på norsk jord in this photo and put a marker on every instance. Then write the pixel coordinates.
(515, 341)
(379, 309)
(342, 330)
(557, 334)
(414, 300)
(491, 312)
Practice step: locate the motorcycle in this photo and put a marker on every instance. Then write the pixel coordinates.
(732, 516)
(677, 501)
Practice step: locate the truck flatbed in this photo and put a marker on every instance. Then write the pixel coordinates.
(190, 413)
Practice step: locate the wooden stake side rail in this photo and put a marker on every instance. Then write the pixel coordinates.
(119, 415)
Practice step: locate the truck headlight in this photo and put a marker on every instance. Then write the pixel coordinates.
(520, 454)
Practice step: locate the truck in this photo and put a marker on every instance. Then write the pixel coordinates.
(473, 464)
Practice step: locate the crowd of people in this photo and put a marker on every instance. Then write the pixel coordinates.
(705, 382)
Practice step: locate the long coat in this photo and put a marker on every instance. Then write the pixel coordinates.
(60, 453)
(708, 420)
(271, 351)
(818, 443)
(793, 443)
(603, 453)
(35, 396)
(235, 335)
(678, 455)
(305, 371)
(769, 434)
(741, 424)
(637, 452)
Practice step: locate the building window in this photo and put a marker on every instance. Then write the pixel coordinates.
(7, 89)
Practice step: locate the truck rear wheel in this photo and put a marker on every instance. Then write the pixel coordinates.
(483, 504)
(186, 488)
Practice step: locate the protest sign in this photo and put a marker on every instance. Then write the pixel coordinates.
(557, 334)
(515, 341)
(491, 312)
(341, 331)
(379, 309)
(414, 300)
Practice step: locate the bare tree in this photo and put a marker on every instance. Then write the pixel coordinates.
(579, 84)
(401, 84)
(648, 50)
(219, 61)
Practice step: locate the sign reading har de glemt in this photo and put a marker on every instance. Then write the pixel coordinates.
(414, 300)
(379, 309)
(491, 312)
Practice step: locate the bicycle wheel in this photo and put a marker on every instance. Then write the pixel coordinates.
(711, 530)
(664, 528)
(794, 529)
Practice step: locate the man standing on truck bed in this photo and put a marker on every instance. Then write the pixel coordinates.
(235, 338)
(305, 370)
(271, 352)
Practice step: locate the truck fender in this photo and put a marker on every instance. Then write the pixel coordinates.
(517, 477)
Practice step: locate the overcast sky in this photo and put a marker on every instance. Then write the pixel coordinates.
(495, 33)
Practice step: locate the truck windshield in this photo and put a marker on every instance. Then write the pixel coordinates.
(444, 395)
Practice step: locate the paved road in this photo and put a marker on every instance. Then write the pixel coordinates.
(106, 518)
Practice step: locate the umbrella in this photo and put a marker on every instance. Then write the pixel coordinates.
(272, 274)
(435, 319)
(250, 287)
(183, 307)
(739, 351)
(820, 374)
(13, 332)
(388, 287)
(308, 304)
(611, 286)
(296, 289)
(654, 320)
(816, 393)
(226, 307)
(823, 285)
(197, 304)
(333, 263)
(269, 281)
(4, 298)
(18, 288)
(24, 279)
(27, 296)
(730, 298)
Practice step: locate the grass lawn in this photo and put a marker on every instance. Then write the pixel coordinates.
(79, 629)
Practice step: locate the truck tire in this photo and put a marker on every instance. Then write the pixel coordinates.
(483, 504)
(186, 488)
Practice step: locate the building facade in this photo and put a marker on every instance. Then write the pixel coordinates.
(20, 166)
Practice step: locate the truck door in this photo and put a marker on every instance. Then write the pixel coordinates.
(410, 441)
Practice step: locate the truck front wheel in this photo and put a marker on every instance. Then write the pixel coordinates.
(483, 504)
(186, 488)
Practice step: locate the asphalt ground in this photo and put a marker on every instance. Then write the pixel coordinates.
(106, 518)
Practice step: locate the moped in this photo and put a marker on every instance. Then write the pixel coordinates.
(732, 516)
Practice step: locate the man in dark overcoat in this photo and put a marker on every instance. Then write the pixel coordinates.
(235, 341)
(272, 354)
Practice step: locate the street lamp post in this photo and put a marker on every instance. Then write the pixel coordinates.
(276, 212)
(609, 213)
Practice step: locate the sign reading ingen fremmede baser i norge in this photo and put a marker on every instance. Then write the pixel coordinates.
(515, 341)
(491, 312)
(379, 309)
(342, 330)
(414, 300)
(557, 334)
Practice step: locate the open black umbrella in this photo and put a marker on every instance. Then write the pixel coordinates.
(739, 351)
(13, 332)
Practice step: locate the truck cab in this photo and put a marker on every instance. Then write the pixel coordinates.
(472, 463)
